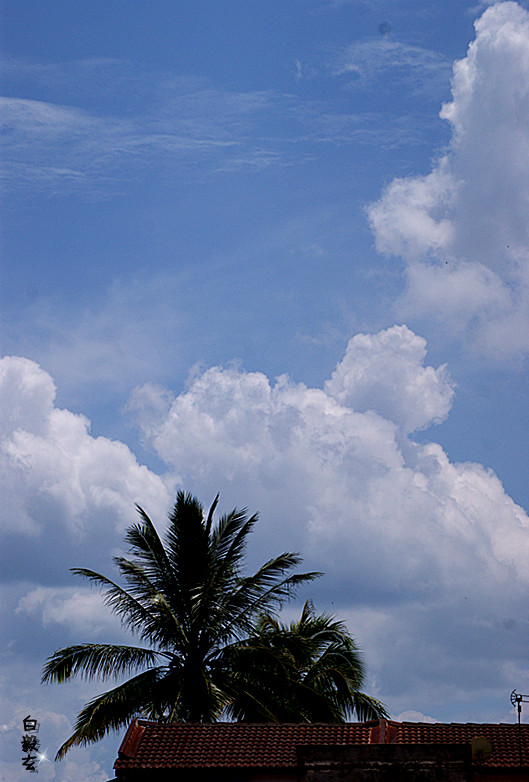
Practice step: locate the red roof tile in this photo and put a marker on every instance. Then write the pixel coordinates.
(229, 745)
(273, 746)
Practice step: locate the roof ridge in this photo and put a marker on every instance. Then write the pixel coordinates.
(462, 724)
(273, 725)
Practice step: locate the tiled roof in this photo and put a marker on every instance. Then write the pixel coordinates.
(273, 746)
(228, 744)
(505, 738)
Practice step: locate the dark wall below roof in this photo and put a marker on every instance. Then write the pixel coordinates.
(386, 763)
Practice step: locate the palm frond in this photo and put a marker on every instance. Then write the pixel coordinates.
(154, 599)
(310, 670)
(209, 520)
(148, 548)
(113, 710)
(96, 660)
(208, 608)
(228, 539)
(263, 590)
(187, 544)
(134, 615)
(368, 708)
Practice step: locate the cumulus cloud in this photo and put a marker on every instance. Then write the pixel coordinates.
(337, 462)
(384, 372)
(80, 610)
(463, 229)
(425, 557)
(62, 487)
(66, 498)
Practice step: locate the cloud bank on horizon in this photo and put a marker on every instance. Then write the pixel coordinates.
(462, 229)
(404, 535)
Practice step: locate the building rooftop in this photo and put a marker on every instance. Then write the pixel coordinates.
(273, 746)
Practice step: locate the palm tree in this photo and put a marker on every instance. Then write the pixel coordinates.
(308, 671)
(189, 603)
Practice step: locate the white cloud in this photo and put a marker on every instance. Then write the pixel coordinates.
(21, 695)
(110, 344)
(336, 462)
(66, 498)
(426, 558)
(409, 220)
(81, 611)
(414, 716)
(27, 396)
(46, 119)
(67, 149)
(56, 476)
(463, 229)
(384, 373)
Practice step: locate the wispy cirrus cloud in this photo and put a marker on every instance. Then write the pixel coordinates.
(370, 129)
(54, 144)
(366, 62)
(50, 143)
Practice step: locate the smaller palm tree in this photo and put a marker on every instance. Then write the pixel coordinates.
(308, 671)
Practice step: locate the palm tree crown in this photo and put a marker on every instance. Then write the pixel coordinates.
(212, 644)
(308, 671)
(189, 602)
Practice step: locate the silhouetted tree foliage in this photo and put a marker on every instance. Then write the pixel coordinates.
(212, 642)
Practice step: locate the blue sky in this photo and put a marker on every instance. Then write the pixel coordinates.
(278, 250)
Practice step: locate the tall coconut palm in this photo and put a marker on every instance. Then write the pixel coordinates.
(188, 601)
(308, 671)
